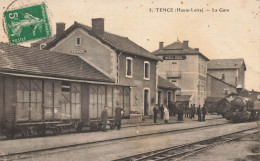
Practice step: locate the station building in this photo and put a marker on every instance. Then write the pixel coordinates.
(231, 71)
(118, 57)
(186, 68)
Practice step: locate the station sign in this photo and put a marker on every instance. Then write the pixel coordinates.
(174, 57)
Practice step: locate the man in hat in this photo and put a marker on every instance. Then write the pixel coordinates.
(118, 117)
(155, 112)
(104, 119)
(203, 110)
(199, 113)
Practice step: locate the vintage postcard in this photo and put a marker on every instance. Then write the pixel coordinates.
(130, 80)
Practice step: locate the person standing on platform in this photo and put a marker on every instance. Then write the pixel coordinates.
(199, 113)
(104, 119)
(181, 112)
(174, 109)
(190, 111)
(166, 115)
(186, 110)
(155, 112)
(193, 111)
(171, 108)
(161, 110)
(118, 117)
(203, 110)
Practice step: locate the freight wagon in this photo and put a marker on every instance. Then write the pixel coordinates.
(38, 104)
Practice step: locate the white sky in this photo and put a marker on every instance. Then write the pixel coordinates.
(235, 34)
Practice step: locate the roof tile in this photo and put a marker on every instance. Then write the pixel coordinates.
(45, 63)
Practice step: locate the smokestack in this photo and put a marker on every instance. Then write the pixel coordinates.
(197, 49)
(161, 46)
(185, 44)
(98, 25)
(60, 28)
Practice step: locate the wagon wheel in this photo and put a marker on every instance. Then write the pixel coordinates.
(79, 127)
(112, 126)
(99, 125)
(91, 127)
(54, 131)
(75, 124)
(29, 132)
(10, 133)
(24, 132)
(41, 130)
(59, 129)
(95, 125)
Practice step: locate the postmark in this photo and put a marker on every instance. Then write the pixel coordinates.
(27, 24)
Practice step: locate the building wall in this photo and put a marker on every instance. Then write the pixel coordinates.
(217, 88)
(232, 76)
(106, 60)
(192, 76)
(138, 83)
(91, 50)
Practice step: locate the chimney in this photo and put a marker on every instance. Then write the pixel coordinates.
(197, 49)
(185, 44)
(98, 25)
(161, 46)
(60, 27)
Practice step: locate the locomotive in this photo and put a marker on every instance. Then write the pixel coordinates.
(238, 107)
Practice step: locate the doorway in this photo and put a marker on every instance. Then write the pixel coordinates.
(159, 98)
(146, 102)
(169, 97)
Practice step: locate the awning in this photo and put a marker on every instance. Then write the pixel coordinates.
(165, 84)
(61, 79)
(183, 98)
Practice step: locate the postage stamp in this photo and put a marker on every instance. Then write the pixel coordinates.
(26, 24)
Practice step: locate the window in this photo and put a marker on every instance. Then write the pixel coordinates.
(199, 67)
(258, 97)
(78, 41)
(65, 86)
(174, 81)
(146, 70)
(129, 67)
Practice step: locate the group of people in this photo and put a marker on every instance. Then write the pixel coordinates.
(180, 110)
(118, 117)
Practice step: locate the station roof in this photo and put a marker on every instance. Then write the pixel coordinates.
(25, 60)
(165, 84)
(116, 42)
(226, 64)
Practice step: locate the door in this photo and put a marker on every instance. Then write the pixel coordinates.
(169, 97)
(146, 103)
(159, 98)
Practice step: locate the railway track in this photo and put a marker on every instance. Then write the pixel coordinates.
(186, 150)
(46, 151)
